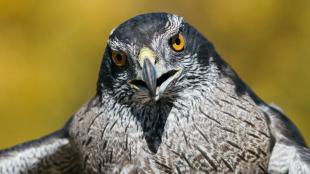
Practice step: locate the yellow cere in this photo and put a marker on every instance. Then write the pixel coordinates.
(146, 52)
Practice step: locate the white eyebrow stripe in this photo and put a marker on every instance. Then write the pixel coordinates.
(174, 22)
(117, 45)
(172, 27)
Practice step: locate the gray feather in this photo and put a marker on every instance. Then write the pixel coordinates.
(290, 153)
(52, 154)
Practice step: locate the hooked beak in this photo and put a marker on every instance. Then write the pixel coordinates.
(155, 82)
(149, 76)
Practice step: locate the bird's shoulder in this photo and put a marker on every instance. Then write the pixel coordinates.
(290, 153)
(49, 154)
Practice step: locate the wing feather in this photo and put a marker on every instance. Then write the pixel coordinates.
(290, 154)
(50, 154)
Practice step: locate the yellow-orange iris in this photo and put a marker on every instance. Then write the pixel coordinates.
(119, 58)
(177, 42)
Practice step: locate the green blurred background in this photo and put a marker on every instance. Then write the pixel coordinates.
(50, 52)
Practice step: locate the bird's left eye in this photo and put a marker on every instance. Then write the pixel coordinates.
(119, 58)
(177, 42)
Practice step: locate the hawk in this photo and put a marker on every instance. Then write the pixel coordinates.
(166, 102)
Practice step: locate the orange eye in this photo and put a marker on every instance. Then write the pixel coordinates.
(119, 58)
(177, 42)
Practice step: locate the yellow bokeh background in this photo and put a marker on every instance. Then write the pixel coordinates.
(50, 52)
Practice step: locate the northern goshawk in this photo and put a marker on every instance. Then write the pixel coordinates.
(166, 102)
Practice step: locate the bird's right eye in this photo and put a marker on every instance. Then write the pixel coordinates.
(119, 58)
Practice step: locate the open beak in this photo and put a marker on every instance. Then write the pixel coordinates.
(153, 81)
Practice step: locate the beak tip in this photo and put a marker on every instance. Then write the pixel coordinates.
(156, 98)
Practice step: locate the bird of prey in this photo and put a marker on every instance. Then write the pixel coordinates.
(166, 102)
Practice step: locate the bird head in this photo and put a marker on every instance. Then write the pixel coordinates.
(153, 58)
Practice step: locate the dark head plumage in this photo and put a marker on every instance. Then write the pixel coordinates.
(153, 32)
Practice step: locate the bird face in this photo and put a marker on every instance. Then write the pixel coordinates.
(148, 58)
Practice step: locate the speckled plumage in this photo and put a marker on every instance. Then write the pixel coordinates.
(204, 119)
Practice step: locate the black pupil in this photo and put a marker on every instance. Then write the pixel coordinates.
(177, 41)
(119, 57)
